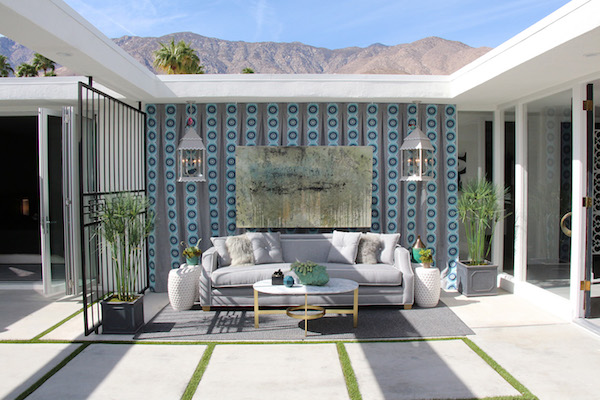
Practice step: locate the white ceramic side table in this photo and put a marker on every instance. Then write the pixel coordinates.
(427, 286)
(183, 286)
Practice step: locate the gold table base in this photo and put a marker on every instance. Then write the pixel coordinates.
(306, 307)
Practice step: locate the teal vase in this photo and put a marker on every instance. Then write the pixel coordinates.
(318, 276)
(416, 255)
(191, 260)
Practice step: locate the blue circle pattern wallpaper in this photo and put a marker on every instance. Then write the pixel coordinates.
(194, 212)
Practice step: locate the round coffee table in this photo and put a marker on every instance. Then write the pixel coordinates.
(334, 286)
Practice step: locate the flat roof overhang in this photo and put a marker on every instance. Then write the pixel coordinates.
(561, 49)
(306, 88)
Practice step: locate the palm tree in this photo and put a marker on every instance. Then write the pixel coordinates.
(247, 71)
(27, 70)
(42, 63)
(5, 68)
(177, 58)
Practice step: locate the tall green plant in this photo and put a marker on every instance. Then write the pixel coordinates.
(126, 223)
(478, 210)
(42, 63)
(177, 58)
(5, 68)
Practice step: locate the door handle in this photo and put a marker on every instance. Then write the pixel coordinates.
(563, 227)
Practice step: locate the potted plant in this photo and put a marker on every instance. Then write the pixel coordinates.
(478, 210)
(426, 257)
(191, 253)
(126, 223)
(310, 273)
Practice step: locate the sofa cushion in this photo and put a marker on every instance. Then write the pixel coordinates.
(389, 241)
(344, 246)
(266, 247)
(246, 275)
(369, 249)
(313, 249)
(219, 243)
(366, 274)
(240, 250)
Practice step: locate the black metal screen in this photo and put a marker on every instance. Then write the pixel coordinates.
(112, 161)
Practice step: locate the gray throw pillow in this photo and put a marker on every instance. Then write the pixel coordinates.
(240, 250)
(344, 246)
(219, 243)
(369, 248)
(266, 247)
(389, 241)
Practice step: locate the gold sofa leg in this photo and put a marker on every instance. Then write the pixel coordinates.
(407, 306)
(205, 308)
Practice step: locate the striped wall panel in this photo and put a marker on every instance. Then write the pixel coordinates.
(451, 194)
(230, 146)
(251, 124)
(313, 124)
(372, 140)
(170, 147)
(212, 167)
(391, 178)
(411, 187)
(432, 186)
(151, 170)
(333, 124)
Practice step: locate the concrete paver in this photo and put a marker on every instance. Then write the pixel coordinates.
(26, 313)
(275, 371)
(553, 361)
(24, 364)
(124, 371)
(424, 370)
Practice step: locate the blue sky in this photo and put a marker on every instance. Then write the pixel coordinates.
(323, 23)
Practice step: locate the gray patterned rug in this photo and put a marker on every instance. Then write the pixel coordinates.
(238, 324)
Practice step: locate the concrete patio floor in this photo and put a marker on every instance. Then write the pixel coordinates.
(552, 358)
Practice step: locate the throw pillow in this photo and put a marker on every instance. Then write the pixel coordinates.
(219, 243)
(369, 248)
(240, 250)
(344, 247)
(266, 247)
(389, 241)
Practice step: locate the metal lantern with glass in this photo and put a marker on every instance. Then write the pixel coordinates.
(191, 154)
(417, 157)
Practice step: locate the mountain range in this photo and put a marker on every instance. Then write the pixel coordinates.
(429, 56)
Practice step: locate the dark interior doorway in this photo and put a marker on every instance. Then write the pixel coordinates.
(19, 204)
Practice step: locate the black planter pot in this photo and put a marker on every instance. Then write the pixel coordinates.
(477, 280)
(122, 317)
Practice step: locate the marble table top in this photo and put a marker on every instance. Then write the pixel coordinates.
(335, 285)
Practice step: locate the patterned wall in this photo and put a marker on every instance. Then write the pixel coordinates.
(193, 212)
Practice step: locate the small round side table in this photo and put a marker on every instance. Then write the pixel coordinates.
(427, 286)
(183, 286)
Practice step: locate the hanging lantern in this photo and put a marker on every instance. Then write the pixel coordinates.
(191, 155)
(417, 157)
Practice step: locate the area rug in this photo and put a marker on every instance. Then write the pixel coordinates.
(238, 324)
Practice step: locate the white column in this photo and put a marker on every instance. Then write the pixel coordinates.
(521, 192)
(499, 155)
(578, 221)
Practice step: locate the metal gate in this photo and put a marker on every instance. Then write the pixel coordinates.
(112, 161)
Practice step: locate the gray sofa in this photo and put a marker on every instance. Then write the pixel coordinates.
(379, 284)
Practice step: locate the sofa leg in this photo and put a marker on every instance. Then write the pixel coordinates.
(205, 308)
(407, 306)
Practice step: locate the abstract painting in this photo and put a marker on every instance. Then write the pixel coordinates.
(304, 186)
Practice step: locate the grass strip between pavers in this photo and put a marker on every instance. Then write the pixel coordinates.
(198, 373)
(53, 327)
(53, 371)
(351, 382)
(503, 373)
